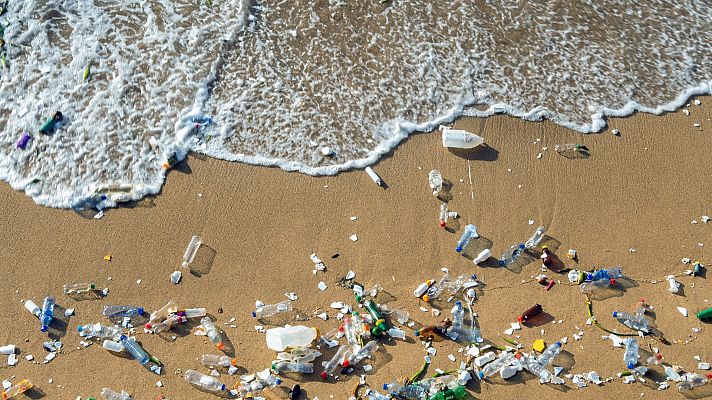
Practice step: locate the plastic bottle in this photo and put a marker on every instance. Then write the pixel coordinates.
(537, 368)
(379, 324)
(511, 254)
(191, 250)
(110, 345)
(705, 314)
(331, 365)
(398, 315)
(484, 255)
(374, 176)
(494, 367)
(674, 284)
(138, 353)
(166, 324)
(530, 313)
(630, 357)
(280, 338)
(458, 319)
(639, 323)
(47, 313)
(435, 290)
(33, 308)
(99, 331)
(460, 139)
(7, 350)
(77, 288)
(374, 395)
(546, 257)
(456, 393)
(14, 390)
(560, 148)
(269, 310)
(109, 394)
(203, 381)
(212, 332)
(291, 366)
(409, 391)
(360, 326)
(444, 215)
(592, 286)
(535, 239)
(610, 273)
(468, 234)
(361, 353)
(396, 333)
(548, 355)
(193, 312)
(671, 373)
(435, 180)
(213, 360)
(122, 311)
(163, 312)
(690, 381)
(423, 288)
(350, 332)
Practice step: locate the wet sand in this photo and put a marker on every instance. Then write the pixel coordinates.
(630, 203)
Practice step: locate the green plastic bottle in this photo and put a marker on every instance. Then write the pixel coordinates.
(379, 324)
(705, 314)
(457, 393)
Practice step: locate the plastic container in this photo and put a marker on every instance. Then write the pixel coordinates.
(396, 333)
(213, 333)
(630, 357)
(17, 389)
(269, 310)
(7, 350)
(77, 288)
(122, 311)
(204, 381)
(191, 251)
(484, 255)
(110, 345)
(530, 313)
(138, 353)
(460, 139)
(468, 234)
(485, 358)
(47, 313)
(109, 394)
(33, 308)
(213, 360)
(674, 285)
(280, 338)
(435, 180)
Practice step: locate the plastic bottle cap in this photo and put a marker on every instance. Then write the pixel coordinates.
(442, 224)
(558, 344)
(346, 364)
(480, 374)
(613, 282)
(521, 246)
(223, 387)
(426, 297)
(79, 328)
(324, 375)
(385, 386)
(43, 328)
(254, 314)
(220, 346)
(140, 311)
(520, 319)
(148, 325)
(458, 249)
(458, 303)
(615, 314)
(631, 365)
(416, 333)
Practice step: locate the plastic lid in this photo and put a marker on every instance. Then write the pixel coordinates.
(558, 344)
(323, 375)
(385, 386)
(458, 303)
(426, 297)
(480, 374)
(346, 364)
(613, 281)
(92, 286)
(521, 246)
(223, 387)
(79, 328)
(43, 328)
(278, 381)
(442, 224)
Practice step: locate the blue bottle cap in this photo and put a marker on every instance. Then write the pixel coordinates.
(558, 344)
(615, 314)
(631, 365)
(458, 249)
(278, 381)
(416, 333)
(480, 374)
(79, 328)
(254, 314)
(140, 311)
(521, 246)
(385, 386)
(458, 303)
(223, 387)
(43, 328)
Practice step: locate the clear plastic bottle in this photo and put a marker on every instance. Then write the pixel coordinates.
(409, 391)
(193, 312)
(191, 250)
(548, 355)
(630, 357)
(468, 234)
(166, 324)
(17, 389)
(396, 333)
(374, 395)
(561, 148)
(138, 353)
(494, 367)
(639, 323)
(331, 365)
(460, 139)
(269, 310)
(439, 287)
(435, 180)
(99, 331)
(361, 353)
(398, 315)
(535, 239)
(360, 326)
(110, 345)
(47, 313)
(291, 366)
(444, 215)
(671, 373)
(350, 332)
(162, 313)
(537, 368)
(511, 254)
(214, 360)
(610, 273)
(458, 319)
(690, 381)
(122, 311)
(212, 332)
(77, 288)
(203, 381)
(109, 394)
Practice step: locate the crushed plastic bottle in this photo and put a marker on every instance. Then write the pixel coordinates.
(408, 391)
(361, 353)
(122, 311)
(109, 394)
(163, 312)
(212, 332)
(204, 381)
(690, 381)
(435, 180)
(331, 365)
(78, 288)
(610, 273)
(468, 234)
(535, 239)
(630, 357)
(639, 323)
(561, 148)
(136, 351)
(400, 316)
(511, 254)
(47, 313)
(269, 310)
(191, 250)
(166, 324)
(213, 360)
(494, 366)
(193, 312)
(549, 354)
(99, 331)
(17, 389)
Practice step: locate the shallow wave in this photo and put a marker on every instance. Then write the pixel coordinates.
(273, 82)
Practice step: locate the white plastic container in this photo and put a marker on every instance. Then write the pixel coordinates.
(484, 254)
(279, 339)
(7, 350)
(110, 345)
(674, 285)
(460, 139)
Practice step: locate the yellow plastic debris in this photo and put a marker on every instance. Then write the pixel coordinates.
(107, 257)
(539, 345)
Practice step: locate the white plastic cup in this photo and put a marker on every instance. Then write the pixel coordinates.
(7, 350)
(484, 254)
(460, 139)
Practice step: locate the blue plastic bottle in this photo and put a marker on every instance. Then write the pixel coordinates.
(47, 313)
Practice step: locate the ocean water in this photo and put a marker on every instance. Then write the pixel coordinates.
(272, 82)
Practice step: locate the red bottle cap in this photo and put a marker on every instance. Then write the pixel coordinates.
(613, 281)
(346, 364)
(442, 224)
(520, 319)
(324, 375)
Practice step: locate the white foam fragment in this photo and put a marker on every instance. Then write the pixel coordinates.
(322, 286)
(683, 311)
(12, 359)
(350, 275)
(176, 276)
(353, 237)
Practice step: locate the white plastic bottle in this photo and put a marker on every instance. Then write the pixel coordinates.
(460, 139)
(214, 360)
(435, 180)
(203, 381)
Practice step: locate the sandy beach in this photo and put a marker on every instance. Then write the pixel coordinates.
(631, 204)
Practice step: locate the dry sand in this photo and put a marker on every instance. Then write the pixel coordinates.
(637, 191)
